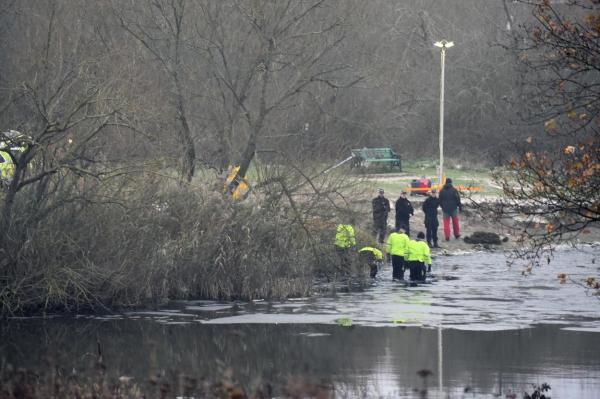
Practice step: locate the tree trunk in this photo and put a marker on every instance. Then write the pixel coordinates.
(248, 154)
(256, 127)
(187, 142)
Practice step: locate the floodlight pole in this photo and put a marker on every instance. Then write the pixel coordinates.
(443, 56)
(443, 46)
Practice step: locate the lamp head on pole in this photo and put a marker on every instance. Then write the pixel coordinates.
(443, 44)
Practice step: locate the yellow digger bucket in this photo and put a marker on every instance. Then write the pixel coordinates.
(239, 191)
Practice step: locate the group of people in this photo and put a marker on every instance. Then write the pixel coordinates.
(448, 200)
(405, 253)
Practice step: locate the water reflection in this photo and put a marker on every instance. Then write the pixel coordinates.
(501, 331)
(355, 360)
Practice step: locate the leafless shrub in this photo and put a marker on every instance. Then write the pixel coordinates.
(137, 239)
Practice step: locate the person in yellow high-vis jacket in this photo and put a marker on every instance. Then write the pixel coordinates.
(397, 246)
(345, 240)
(418, 255)
(373, 257)
(7, 167)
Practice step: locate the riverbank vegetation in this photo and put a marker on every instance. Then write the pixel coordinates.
(121, 118)
(140, 239)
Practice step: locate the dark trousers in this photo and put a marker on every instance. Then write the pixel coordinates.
(431, 232)
(380, 230)
(373, 272)
(417, 270)
(404, 224)
(367, 258)
(397, 267)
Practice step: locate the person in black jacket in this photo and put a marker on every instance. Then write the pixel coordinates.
(404, 210)
(381, 209)
(430, 207)
(450, 203)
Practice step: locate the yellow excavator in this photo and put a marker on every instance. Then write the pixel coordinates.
(237, 186)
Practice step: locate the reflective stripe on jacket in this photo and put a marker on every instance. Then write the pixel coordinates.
(418, 251)
(398, 244)
(344, 236)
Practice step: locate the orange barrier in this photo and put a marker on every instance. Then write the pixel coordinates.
(438, 188)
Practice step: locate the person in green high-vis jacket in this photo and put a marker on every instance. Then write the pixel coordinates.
(373, 257)
(418, 256)
(345, 240)
(397, 246)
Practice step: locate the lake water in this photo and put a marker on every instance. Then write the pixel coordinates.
(482, 330)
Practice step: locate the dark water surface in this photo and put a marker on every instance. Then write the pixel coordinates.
(492, 330)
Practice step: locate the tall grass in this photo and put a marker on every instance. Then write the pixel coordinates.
(146, 240)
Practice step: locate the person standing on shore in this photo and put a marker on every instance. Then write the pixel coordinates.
(450, 203)
(430, 207)
(381, 209)
(404, 210)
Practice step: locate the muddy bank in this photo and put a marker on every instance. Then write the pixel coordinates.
(471, 222)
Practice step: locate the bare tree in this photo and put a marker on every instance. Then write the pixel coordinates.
(61, 102)
(553, 183)
(160, 27)
(267, 65)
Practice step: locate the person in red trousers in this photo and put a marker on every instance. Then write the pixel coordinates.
(450, 204)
